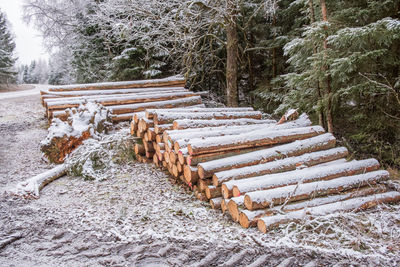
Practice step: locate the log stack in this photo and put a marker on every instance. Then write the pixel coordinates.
(123, 99)
(261, 172)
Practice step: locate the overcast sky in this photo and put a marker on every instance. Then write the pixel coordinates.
(28, 40)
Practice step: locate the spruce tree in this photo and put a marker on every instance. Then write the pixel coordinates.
(7, 46)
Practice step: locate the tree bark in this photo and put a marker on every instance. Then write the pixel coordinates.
(329, 118)
(232, 52)
(319, 94)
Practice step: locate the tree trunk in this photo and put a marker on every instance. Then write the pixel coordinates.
(320, 111)
(329, 118)
(232, 41)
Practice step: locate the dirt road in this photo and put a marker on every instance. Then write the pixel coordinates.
(137, 217)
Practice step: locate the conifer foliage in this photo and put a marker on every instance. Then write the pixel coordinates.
(7, 46)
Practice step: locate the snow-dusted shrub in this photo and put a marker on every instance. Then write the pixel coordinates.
(96, 157)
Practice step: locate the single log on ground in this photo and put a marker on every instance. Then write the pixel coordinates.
(165, 82)
(262, 199)
(216, 203)
(32, 186)
(249, 218)
(282, 165)
(306, 175)
(296, 148)
(356, 204)
(253, 139)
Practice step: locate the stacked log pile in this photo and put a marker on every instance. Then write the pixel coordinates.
(261, 172)
(123, 99)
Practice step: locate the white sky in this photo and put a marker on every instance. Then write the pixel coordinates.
(28, 40)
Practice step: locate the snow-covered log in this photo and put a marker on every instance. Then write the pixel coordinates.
(180, 102)
(170, 117)
(32, 186)
(45, 94)
(260, 137)
(262, 199)
(282, 165)
(306, 175)
(165, 82)
(185, 124)
(195, 160)
(63, 137)
(296, 148)
(150, 112)
(182, 139)
(265, 224)
(109, 97)
(249, 218)
(117, 99)
(127, 110)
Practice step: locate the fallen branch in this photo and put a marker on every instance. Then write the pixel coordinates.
(32, 186)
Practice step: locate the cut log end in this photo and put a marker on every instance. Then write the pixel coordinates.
(226, 193)
(233, 210)
(262, 226)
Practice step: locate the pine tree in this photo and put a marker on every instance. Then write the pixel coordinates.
(7, 46)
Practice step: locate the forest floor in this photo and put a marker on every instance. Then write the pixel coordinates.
(140, 217)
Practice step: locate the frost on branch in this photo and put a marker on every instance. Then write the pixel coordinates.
(88, 120)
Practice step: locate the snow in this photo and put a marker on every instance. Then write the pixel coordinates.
(25, 93)
(269, 153)
(278, 165)
(187, 123)
(277, 195)
(305, 175)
